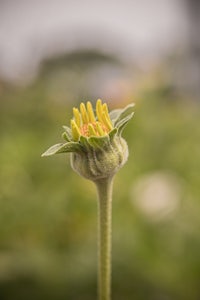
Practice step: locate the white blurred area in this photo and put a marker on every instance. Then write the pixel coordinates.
(140, 32)
(157, 195)
(158, 37)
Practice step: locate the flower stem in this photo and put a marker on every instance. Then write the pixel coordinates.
(104, 189)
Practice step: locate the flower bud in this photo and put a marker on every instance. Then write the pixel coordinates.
(101, 162)
(94, 139)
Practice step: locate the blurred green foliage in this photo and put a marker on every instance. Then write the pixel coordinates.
(48, 213)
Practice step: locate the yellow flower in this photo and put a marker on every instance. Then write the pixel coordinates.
(85, 122)
(94, 138)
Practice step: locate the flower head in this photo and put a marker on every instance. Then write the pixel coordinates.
(95, 141)
(85, 123)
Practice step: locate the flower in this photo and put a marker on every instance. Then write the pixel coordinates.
(95, 141)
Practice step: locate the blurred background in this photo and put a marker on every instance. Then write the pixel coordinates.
(53, 55)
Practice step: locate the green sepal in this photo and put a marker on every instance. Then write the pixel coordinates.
(121, 125)
(98, 142)
(68, 133)
(63, 148)
(114, 114)
(84, 142)
(65, 137)
(112, 134)
(123, 113)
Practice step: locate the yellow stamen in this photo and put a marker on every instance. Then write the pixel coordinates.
(90, 112)
(77, 116)
(75, 131)
(84, 113)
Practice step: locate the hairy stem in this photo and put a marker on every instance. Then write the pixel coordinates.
(104, 189)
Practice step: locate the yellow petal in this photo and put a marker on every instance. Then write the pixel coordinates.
(99, 129)
(91, 130)
(75, 131)
(84, 114)
(77, 116)
(105, 109)
(106, 121)
(90, 112)
(99, 110)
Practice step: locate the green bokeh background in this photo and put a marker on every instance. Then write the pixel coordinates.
(48, 214)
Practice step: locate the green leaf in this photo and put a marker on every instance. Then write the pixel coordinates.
(63, 148)
(123, 114)
(121, 125)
